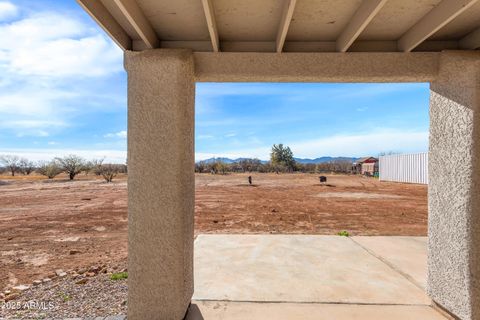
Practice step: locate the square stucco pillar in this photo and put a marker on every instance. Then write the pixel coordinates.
(161, 183)
(454, 185)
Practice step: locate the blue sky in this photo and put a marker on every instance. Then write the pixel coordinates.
(63, 90)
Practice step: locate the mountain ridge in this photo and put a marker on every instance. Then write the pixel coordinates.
(299, 160)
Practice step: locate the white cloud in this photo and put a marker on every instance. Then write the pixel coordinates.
(364, 144)
(204, 137)
(29, 124)
(262, 153)
(113, 156)
(52, 67)
(31, 98)
(7, 10)
(355, 145)
(32, 132)
(54, 45)
(121, 134)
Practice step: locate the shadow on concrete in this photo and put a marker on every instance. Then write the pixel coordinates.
(193, 313)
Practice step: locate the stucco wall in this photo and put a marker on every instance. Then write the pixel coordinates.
(454, 193)
(316, 67)
(161, 183)
(161, 159)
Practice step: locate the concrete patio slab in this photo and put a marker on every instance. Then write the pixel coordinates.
(408, 255)
(296, 268)
(207, 310)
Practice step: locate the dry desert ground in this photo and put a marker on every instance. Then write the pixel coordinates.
(48, 225)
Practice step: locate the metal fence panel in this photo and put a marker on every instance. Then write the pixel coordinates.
(409, 168)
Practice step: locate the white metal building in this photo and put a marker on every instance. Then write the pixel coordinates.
(410, 168)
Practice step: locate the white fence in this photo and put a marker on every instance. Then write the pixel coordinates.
(410, 168)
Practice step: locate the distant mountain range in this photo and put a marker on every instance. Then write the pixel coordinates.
(227, 160)
(325, 159)
(304, 161)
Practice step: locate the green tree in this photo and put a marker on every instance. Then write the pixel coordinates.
(282, 157)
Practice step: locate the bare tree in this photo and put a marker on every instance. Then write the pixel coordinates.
(249, 164)
(337, 166)
(221, 167)
(49, 169)
(201, 166)
(11, 162)
(109, 171)
(387, 153)
(26, 166)
(94, 165)
(71, 165)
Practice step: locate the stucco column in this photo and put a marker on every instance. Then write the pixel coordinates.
(161, 94)
(454, 185)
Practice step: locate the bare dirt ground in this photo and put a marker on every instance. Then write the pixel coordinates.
(298, 203)
(48, 225)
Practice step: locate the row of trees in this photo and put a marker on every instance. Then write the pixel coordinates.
(71, 165)
(281, 160)
(220, 167)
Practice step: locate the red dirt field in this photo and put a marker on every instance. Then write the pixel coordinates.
(48, 225)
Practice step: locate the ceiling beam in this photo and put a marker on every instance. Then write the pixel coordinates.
(362, 17)
(316, 67)
(307, 46)
(139, 22)
(439, 16)
(287, 14)
(211, 23)
(108, 23)
(471, 41)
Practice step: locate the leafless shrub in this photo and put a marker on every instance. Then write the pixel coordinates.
(109, 171)
(11, 162)
(49, 169)
(306, 167)
(249, 164)
(201, 167)
(95, 166)
(71, 165)
(337, 166)
(26, 166)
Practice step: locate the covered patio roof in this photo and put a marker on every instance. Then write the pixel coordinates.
(290, 25)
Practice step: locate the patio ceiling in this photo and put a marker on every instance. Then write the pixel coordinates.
(290, 25)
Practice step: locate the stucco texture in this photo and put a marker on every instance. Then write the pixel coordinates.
(161, 97)
(316, 67)
(161, 93)
(454, 192)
